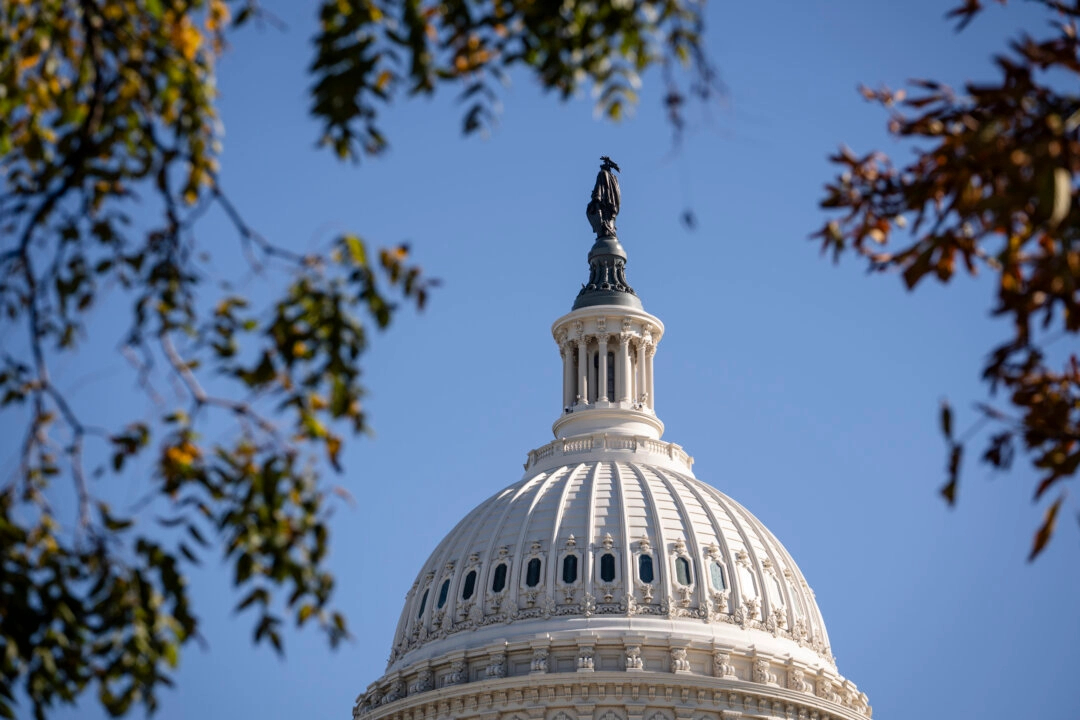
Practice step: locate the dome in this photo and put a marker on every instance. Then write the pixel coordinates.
(625, 541)
(609, 583)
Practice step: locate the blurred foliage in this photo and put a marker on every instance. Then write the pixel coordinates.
(993, 188)
(109, 104)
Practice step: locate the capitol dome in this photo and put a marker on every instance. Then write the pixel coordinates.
(609, 582)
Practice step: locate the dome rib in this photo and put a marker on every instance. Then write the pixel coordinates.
(691, 541)
(660, 540)
(718, 530)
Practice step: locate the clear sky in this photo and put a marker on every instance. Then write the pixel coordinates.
(806, 391)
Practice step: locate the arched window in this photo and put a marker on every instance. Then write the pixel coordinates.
(644, 568)
(443, 591)
(716, 574)
(607, 567)
(498, 580)
(682, 571)
(532, 573)
(470, 585)
(423, 604)
(569, 569)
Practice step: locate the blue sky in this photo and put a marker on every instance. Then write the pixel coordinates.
(806, 391)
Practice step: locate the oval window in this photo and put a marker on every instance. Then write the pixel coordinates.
(423, 604)
(607, 567)
(569, 569)
(443, 592)
(644, 569)
(532, 573)
(470, 585)
(498, 581)
(716, 573)
(682, 571)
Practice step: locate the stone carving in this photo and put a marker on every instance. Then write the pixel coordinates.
(797, 681)
(422, 683)
(608, 542)
(456, 676)
(585, 660)
(588, 605)
(762, 674)
(396, 692)
(633, 658)
(823, 686)
(679, 663)
(605, 200)
(540, 660)
(722, 667)
(497, 666)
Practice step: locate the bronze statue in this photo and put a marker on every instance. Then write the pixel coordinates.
(604, 205)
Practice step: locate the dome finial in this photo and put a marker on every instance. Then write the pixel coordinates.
(607, 260)
(604, 205)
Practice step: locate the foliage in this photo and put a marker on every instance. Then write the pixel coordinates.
(109, 105)
(992, 187)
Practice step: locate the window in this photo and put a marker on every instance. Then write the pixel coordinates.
(644, 568)
(532, 573)
(470, 585)
(682, 571)
(716, 573)
(569, 569)
(423, 604)
(607, 567)
(443, 591)
(611, 376)
(498, 581)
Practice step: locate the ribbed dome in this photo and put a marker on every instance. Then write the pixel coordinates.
(569, 550)
(610, 583)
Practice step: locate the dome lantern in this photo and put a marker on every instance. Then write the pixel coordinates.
(607, 341)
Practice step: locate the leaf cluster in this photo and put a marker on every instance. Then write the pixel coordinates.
(371, 51)
(106, 105)
(992, 188)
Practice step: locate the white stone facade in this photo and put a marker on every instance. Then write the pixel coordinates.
(609, 583)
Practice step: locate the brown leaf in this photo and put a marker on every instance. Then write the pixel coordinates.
(1046, 530)
(948, 491)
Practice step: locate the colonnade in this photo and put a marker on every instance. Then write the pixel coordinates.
(608, 368)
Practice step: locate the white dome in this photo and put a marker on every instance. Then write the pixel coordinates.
(595, 523)
(610, 583)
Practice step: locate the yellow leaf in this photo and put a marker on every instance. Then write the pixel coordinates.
(28, 62)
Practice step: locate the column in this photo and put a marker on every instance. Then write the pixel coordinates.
(602, 376)
(582, 396)
(641, 391)
(649, 377)
(567, 349)
(622, 369)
